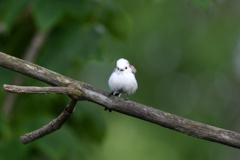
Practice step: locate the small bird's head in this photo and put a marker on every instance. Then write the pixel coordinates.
(123, 66)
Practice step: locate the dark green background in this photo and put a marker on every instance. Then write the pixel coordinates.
(187, 56)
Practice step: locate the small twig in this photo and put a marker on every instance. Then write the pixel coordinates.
(38, 90)
(50, 127)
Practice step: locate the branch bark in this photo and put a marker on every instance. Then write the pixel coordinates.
(50, 127)
(37, 90)
(83, 91)
(34, 71)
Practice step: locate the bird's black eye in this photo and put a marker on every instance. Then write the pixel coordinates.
(117, 68)
(125, 67)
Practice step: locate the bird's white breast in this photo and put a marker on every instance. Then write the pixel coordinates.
(123, 83)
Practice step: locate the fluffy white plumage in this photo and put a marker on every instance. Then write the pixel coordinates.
(123, 80)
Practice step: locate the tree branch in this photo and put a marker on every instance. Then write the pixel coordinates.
(83, 91)
(34, 71)
(38, 90)
(50, 127)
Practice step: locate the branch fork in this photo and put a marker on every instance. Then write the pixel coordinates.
(78, 90)
(54, 124)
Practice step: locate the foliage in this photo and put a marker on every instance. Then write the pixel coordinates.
(185, 54)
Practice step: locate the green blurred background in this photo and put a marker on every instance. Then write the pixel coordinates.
(187, 56)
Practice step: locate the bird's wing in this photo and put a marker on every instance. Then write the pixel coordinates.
(134, 71)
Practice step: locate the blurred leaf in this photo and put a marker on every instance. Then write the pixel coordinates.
(19, 38)
(155, 1)
(5, 130)
(80, 9)
(116, 20)
(70, 44)
(62, 143)
(202, 4)
(89, 123)
(10, 149)
(47, 13)
(10, 10)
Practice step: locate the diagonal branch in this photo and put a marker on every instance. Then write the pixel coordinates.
(56, 123)
(85, 91)
(34, 71)
(50, 127)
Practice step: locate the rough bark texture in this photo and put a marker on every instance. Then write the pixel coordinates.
(38, 90)
(83, 91)
(34, 71)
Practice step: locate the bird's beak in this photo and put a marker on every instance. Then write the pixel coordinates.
(121, 69)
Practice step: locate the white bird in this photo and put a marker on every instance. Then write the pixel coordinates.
(123, 80)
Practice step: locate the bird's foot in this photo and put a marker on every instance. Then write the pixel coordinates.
(117, 94)
(106, 108)
(126, 99)
(110, 94)
(114, 93)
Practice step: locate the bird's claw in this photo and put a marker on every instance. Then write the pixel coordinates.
(110, 94)
(126, 99)
(106, 108)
